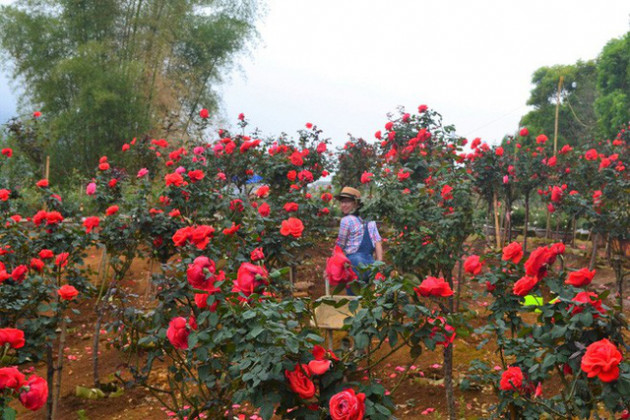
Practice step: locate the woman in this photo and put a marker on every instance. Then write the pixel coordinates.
(358, 239)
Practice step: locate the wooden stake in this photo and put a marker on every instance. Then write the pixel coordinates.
(555, 129)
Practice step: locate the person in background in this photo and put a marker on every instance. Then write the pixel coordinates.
(358, 239)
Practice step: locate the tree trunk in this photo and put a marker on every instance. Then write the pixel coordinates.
(507, 237)
(460, 278)
(59, 369)
(448, 360)
(448, 381)
(50, 378)
(526, 223)
(497, 227)
(548, 228)
(594, 252)
(619, 276)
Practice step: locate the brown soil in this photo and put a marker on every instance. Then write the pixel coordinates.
(420, 395)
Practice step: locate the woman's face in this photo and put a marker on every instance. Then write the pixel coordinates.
(347, 205)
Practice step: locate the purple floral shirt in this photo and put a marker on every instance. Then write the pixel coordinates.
(351, 234)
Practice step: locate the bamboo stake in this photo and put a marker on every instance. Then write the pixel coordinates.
(555, 144)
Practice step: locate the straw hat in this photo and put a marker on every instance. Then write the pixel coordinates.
(349, 192)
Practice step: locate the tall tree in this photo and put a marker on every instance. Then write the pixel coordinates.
(577, 120)
(105, 71)
(613, 83)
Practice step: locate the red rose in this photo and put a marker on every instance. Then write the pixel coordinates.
(300, 382)
(7, 152)
(580, 278)
(201, 235)
(433, 286)
(591, 154)
(263, 191)
(513, 252)
(12, 336)
(111, 210)
(204, 113)
(182, 235)
(291, 207)
(326, 197)
(103, 166)
(112, 182)
(173, 179)
(422, 108)
(524, 132)
(292, 175)
(45, 254)
(67, 292)
(587, 297)
(602, 359)
(42, 183)
(264, 210)
(125, 147)
(4, 194)
(347, 405)
(196, 175)
(53, 217)
(539, 259)
(296, 158)
(447, 192)
(524, 285)
(11, 377)
(37, 264)
(366, 177)
(402, 174)
(232, 229)
(320, 364)
(237, 205)
(196, 274)
(248, 277)
(62, 259)
(321, 148)
(541, 139)
(292, 226)
(178, 332)
(90, 223)
(19, 273)
(442, 327)
(35, 393)
(389, 125)
(472, 265)
(339, 268)
(305, 176)
(556, 194)
(511, 379)
(201, 300)
(257, 254)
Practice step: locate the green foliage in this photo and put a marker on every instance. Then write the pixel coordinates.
(613, 83)
(550, 346)
(577, 119)
(104, 72)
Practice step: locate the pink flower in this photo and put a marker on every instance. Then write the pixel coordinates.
(142, 172)
(91, 188)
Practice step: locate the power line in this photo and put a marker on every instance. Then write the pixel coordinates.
(496, 119)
